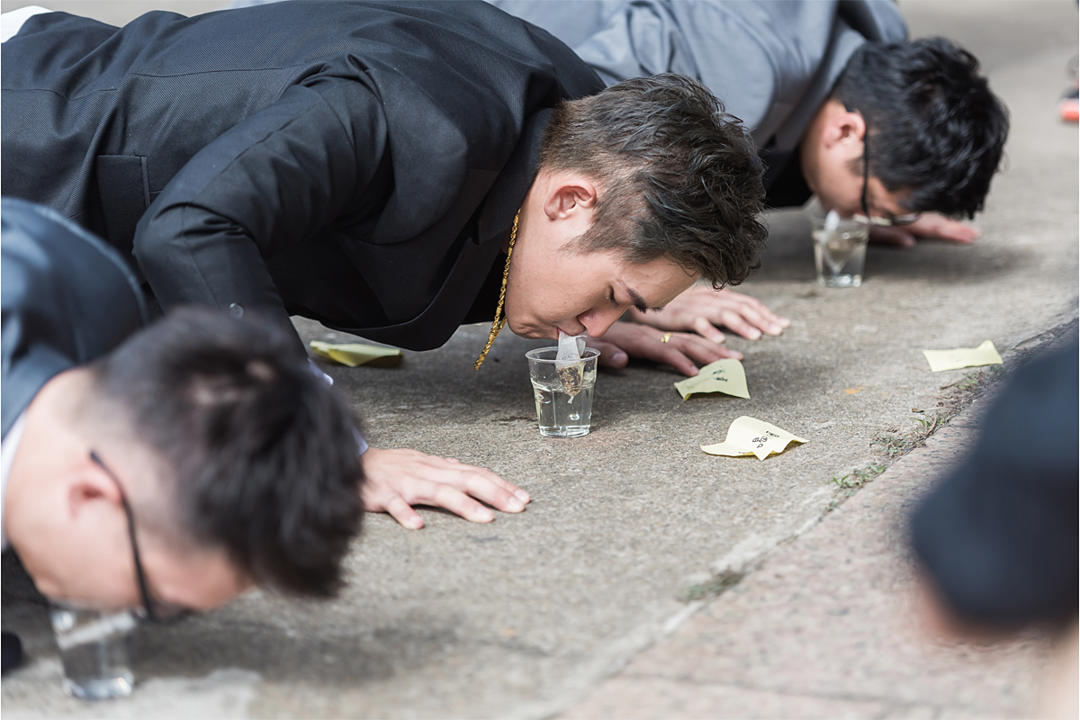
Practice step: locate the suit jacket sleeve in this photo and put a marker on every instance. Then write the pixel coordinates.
(282, 176)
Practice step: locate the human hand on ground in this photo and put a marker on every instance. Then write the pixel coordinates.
(624, 340)
(701, 308)
(396, 480)
(929, 225)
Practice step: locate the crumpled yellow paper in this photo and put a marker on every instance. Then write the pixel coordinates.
(725, 376)
(750, 436)
(355, 354)
(985, 354)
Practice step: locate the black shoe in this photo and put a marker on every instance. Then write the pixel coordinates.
(12, 651)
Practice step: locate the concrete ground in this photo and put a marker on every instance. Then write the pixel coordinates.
(648, 579)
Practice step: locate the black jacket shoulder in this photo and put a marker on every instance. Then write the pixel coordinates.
(65, 299)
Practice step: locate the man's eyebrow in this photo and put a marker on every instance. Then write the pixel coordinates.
(638, 301)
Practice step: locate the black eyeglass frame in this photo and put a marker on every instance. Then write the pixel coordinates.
(147, 612)
(888, 221)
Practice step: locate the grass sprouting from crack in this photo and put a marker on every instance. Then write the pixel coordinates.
(894, 444)
(858, 478)
(715, 586)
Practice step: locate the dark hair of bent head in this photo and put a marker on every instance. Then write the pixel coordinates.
(262, 452)
(677, 177)
(935, 127)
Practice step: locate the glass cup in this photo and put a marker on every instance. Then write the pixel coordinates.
(94, 651)
(563, 391)
(840, 251)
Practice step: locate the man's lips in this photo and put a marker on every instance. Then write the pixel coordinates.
(564, 332)
(541, 332)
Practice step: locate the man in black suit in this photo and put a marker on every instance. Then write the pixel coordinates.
(373, 166)
(165, 468)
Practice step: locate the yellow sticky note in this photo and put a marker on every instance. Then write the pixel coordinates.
(354, 354)
(985, 354)
(750, 436)
(726, 376)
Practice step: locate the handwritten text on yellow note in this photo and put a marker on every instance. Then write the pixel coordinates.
(985, 354)
(354, 354)
(750, 436)
(725, 376)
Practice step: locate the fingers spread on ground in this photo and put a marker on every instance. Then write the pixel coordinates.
(400, 510)
(735, 322)
(510, 487)
(613, 357)
(461, 504)
(494, 494)
(729, 353)
(707, 330)
(680, 362)
(704, 352)
(892, 236)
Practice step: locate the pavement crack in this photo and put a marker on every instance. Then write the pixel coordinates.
(714, 587)
(893, 702)
(894, 443)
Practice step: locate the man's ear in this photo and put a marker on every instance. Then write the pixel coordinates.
(567, 194)
(86, 485)
(844, 127)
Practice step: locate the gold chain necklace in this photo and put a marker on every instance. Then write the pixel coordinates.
(499, 321)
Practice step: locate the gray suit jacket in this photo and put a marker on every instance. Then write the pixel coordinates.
(771, 62)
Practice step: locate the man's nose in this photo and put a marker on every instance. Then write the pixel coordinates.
(597, 322)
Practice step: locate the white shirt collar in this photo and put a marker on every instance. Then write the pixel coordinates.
(8, 448)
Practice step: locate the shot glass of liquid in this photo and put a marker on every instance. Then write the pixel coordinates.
(94, 651)
(563, 391)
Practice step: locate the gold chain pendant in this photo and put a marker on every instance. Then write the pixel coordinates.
(499, 321)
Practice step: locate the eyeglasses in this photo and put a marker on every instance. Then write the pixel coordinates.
(162, 613)
(888, 219)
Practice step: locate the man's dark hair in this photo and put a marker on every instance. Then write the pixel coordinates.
(935, 128)
(260, 454)
(676, 176)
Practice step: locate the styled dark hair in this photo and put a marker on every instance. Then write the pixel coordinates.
(676, 176)
(935, 128)
(260, 454)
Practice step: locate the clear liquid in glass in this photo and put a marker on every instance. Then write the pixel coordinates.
(561, 414)
(840, 256)
(94, 652)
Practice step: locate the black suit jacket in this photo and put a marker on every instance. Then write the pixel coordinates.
(357, 163)
(66, 299)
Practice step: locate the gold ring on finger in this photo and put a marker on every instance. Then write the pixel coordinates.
(665, 338)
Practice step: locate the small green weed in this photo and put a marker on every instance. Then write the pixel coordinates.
(715, 586)
(894, 443)
(858, 478)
